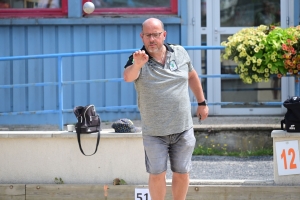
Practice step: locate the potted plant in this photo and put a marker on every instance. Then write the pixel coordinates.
(264, 51)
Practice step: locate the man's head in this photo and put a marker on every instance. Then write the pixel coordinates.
(153, 35)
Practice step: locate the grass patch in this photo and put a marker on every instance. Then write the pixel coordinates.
(206, 151)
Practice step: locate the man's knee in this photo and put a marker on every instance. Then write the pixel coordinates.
(180, 175)
(160, 176)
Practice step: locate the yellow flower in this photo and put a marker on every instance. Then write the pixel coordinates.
(224, 42)
(267, 75)
(248, 80)
(236, 59)
(273, 57)
(258, 61)
(261, 46)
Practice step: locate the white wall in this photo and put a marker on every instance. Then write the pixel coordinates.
(39, 157)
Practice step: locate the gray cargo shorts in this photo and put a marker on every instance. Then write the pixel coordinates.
(177, 147)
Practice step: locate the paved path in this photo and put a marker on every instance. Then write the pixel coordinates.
(225, 120)
(211, 120)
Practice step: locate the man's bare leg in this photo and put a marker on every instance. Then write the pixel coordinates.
(157, 186)
(180, 186)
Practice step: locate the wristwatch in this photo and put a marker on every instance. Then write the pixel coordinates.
(203, 103)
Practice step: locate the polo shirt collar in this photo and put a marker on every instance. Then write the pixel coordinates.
(166, 45)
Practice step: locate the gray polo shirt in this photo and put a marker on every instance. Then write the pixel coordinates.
(163, 94)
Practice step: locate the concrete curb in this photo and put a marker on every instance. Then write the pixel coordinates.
(238, 127)
(231, 182)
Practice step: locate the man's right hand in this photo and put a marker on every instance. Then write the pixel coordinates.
(132, 72)
(140, 58)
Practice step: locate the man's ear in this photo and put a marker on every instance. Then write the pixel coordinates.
(141, 35)
(165, 34)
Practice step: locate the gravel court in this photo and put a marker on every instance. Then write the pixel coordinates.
(230, 168)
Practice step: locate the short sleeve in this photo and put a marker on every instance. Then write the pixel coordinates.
(129, 62)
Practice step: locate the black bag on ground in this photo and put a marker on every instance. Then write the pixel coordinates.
(292, 116)
(88, 121)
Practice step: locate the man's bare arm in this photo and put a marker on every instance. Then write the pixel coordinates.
(132, 72)
(196, 87)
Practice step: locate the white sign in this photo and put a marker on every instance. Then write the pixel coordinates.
(142, 194)
(287, 154)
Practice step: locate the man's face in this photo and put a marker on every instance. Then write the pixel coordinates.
(153, 37)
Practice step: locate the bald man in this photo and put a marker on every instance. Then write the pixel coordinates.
(162, 74)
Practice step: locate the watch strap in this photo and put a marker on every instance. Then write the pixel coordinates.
(203, 103)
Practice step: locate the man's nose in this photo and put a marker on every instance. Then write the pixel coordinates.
(152, 37)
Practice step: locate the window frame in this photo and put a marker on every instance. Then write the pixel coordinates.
(173, 9)
(63, 11)
(35, 12)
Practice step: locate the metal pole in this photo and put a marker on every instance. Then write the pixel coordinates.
(60, 92)
(297, 86)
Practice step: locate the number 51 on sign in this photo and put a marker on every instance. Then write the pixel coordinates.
(142, 194)
(287, 154)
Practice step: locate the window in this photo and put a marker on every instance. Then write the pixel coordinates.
(33, 8)
(59, 8)
(135, 7)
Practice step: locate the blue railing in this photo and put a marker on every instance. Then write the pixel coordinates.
(60, 83)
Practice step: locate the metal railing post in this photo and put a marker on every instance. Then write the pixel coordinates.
(60, 92)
